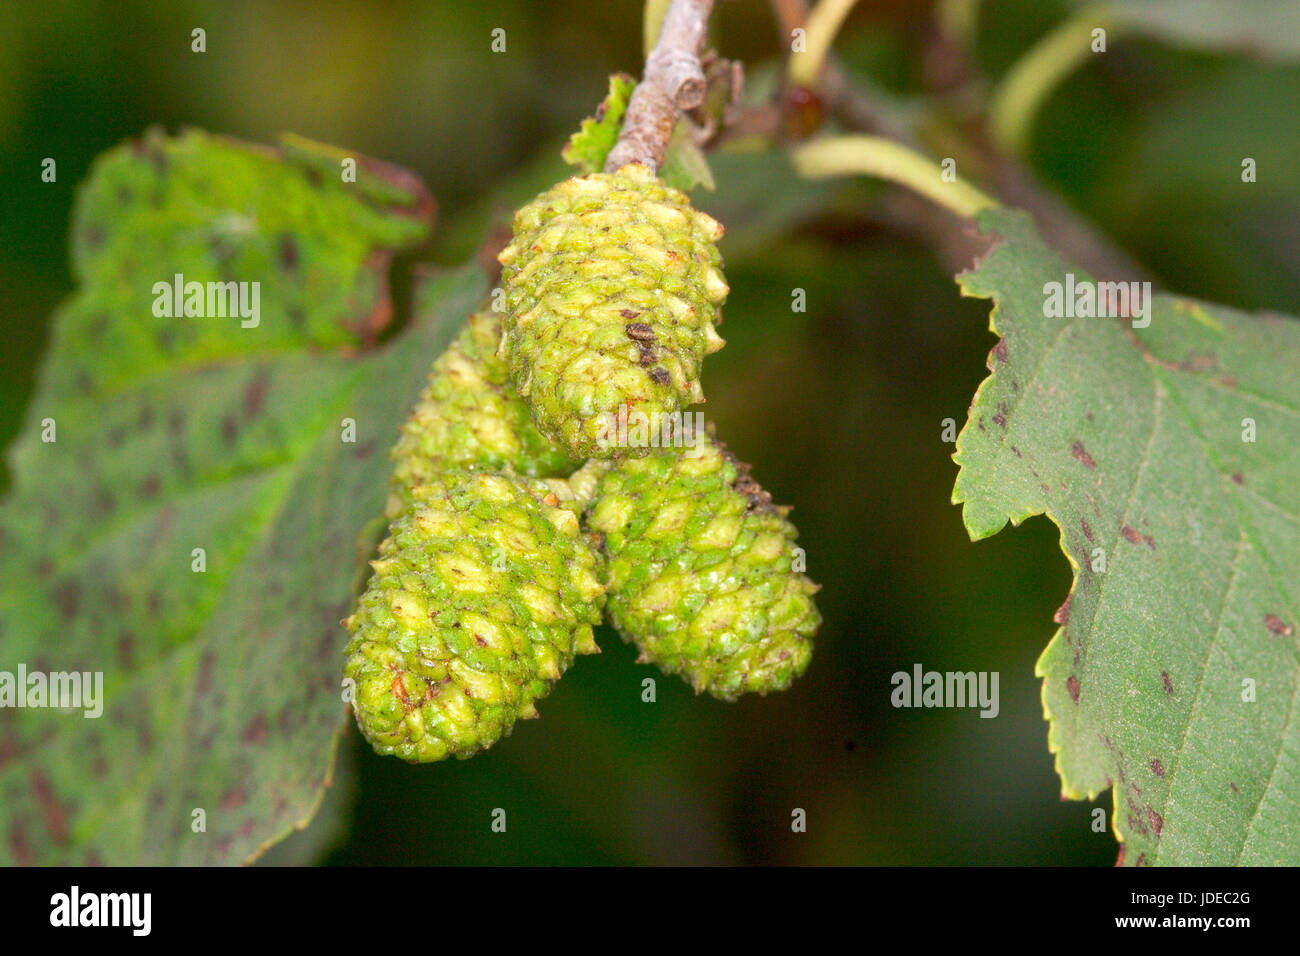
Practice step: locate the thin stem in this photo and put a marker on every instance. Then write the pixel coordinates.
(790, 15)
(861, 108)
(1035, 75)
(652, 21)
(958, 20)
(885, 159)
(673, 81)
(820, 30)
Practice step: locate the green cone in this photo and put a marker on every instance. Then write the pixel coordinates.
(612, 289)
(470, 417)
(483, 593)
(700, 572)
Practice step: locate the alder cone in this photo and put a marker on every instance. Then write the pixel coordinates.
(701, 570)
(469, 417)
(484, 592)
(613, 286)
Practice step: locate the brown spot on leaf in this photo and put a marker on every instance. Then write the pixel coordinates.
(1072, 685)
(104, 501)
(53, 812)
(206, 666)
(67, 598)
(1081, 454)
(1062, 615)
(1130, 534)
(288, 252)
(229, 429)
(1233, 786)
(151, 485)
(1237, 477)
(8, 747)
(126, 649)
(639, 332)
(233, 799)
(1157, 767)
(1169, 684)
(1156, 820)
(1016, 452)
(18, 844)
(246, 828)
(630, 314)
(1087, 531)
(1278, 626)
(1000, 351)
(1119, 860)
(255, 731)
(255, 395)
(659, 376)
(166, 339)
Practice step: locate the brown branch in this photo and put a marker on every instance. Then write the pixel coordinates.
(673, 81)
(790, 15)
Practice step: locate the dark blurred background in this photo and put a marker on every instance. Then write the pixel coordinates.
(839, 407)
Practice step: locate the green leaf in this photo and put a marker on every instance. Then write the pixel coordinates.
(221, 687)
(1175, 673)
(590, 145)
(685, 165)
(1268, 29)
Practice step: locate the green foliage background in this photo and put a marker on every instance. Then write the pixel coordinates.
(839, 408)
